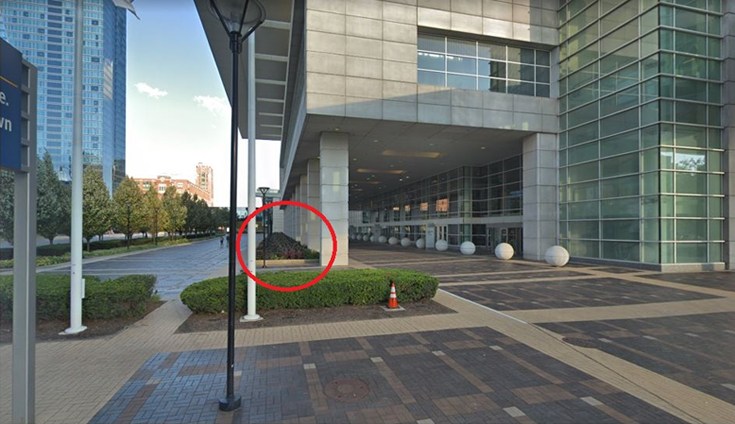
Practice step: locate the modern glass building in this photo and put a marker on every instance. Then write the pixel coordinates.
(44, 31)
(604, 126)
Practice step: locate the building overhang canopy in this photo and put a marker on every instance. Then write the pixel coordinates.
(272, 64)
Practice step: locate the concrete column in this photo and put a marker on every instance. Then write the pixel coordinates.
(297, 214)
(540, 194)
(728, 116)
(313, 224)
(303, 213)
(334, 176)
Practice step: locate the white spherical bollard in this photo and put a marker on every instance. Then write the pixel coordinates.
(366, 238)
(352, 236)
(504, 251)
(467, 248)
(382, 239)
(557, 256)
(405, 242)
(372, 239)
(420, 243)
(441, 245)
(393, 241)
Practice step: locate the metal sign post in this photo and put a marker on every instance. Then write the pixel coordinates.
(18, 154)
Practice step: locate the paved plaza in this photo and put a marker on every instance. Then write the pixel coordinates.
(529, 343)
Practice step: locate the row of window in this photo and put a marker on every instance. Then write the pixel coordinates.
(474, 65)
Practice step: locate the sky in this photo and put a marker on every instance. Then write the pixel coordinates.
(177, 111)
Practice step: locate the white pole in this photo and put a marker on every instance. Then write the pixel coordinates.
(75, 306)
(251, 314)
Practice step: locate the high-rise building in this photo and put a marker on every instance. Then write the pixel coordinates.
(603, 126)
(204, 179)
(43, 30)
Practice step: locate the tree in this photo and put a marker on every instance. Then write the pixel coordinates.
(129, 208)
(6, 205)
(156, 216)
(174, 209)
(98, 210)
(50, 208)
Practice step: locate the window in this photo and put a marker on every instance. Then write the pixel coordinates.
(473, 65)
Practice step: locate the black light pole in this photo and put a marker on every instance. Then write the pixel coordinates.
(128, 232)
(234, 21)
(264, 191)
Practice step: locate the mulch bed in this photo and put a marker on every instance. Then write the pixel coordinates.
(282, 317)
(49, 330)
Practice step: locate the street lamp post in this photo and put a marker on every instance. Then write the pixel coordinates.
(239, 21)
(264, 219)
(127, 233)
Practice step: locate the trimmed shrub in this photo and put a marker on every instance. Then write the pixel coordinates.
(123, 297)
(344, 287)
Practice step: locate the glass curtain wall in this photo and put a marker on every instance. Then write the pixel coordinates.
(641, 150)
(491, 190)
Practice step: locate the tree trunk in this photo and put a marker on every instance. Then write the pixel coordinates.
(89, 245)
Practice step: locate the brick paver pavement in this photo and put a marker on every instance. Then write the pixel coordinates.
(415, 370)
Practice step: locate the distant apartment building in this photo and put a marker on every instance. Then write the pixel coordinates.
(44, 32)
(205, 178)
(203, 190)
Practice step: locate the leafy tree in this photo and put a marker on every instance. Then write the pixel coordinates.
(98, 208)
(156, 215)
(174, 210)
(49, 201)
(129, 207)
(6, 205)
(65, 199)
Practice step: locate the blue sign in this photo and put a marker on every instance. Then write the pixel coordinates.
(11, 70)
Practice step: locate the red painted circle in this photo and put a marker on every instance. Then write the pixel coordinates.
(287, 203)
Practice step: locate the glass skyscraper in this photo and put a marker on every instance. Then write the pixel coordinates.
(43, 30)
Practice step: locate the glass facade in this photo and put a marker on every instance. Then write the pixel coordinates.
(641, 149)
(465, 63)
(458, 198)
(44, 32)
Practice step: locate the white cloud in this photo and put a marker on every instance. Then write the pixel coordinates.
(216, 105)
(150, 91)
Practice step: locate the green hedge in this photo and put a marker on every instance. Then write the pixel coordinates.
(346, 287)
(123, 297)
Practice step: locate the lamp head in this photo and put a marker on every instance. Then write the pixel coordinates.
(263, 191)
(238, 16)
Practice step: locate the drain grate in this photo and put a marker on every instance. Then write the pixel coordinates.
(576, 341)
(347, 390)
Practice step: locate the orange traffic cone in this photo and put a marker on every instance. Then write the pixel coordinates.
(393, 299)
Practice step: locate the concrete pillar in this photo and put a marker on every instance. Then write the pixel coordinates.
(728, 116)
(334, 176)
(303, 213)
(313, 224)
(540, 194)
(297, 214)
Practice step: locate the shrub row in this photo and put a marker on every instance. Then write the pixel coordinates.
(343, 287)
(123, 297)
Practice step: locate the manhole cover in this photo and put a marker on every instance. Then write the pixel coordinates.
(348, 390)
(576, 341)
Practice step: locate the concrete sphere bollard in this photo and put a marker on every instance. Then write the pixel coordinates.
(420, 243)
(366, 238)
(393, 241)
(441, 245)
(467, 248)
(352, 236)
(557, 256)
(372, 239)
(382, 239)
(504, 251)
(405, 242)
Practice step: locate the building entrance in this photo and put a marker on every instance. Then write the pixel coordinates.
(511, 235)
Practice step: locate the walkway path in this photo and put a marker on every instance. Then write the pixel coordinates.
(658, 353)
(175, 267)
